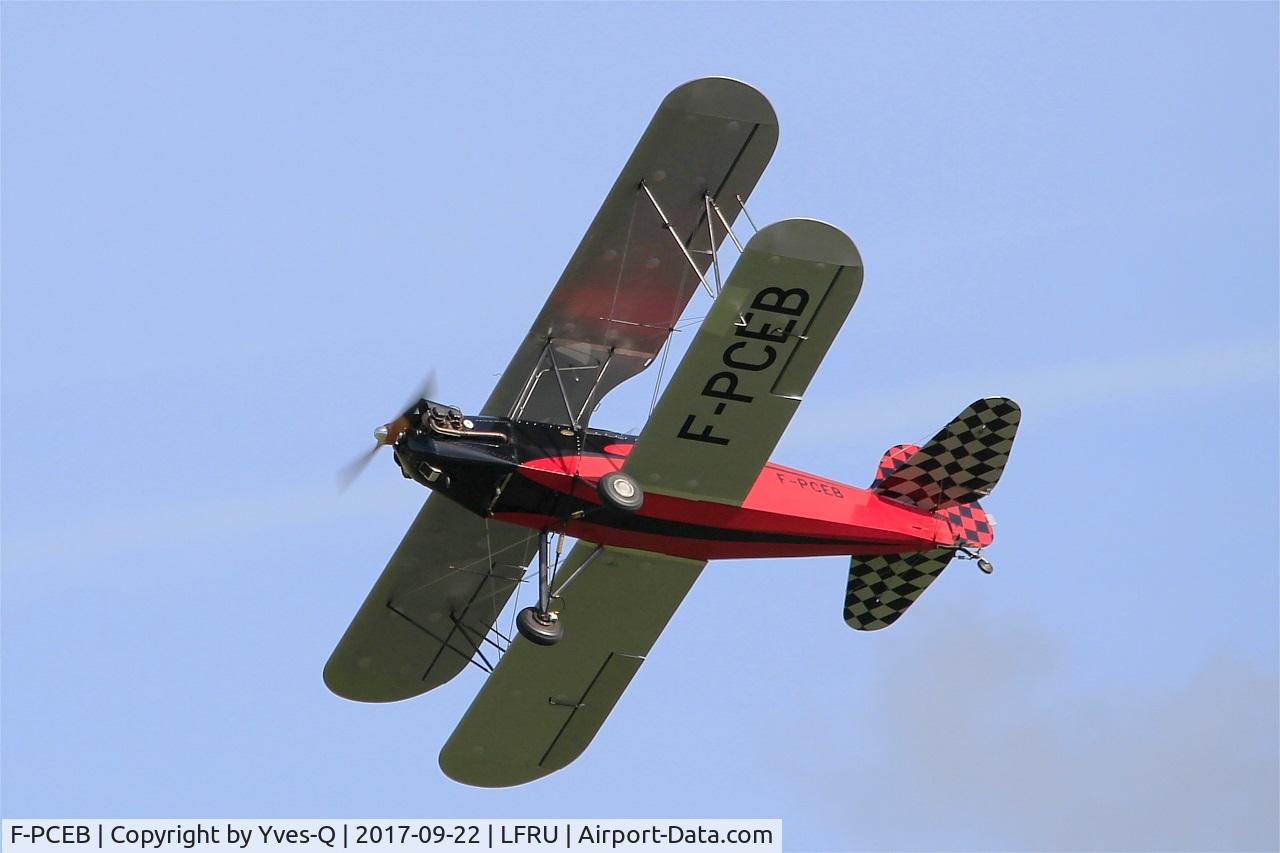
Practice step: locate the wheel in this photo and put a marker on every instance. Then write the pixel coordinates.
(986, 567)
(620, 491)
(536, 629)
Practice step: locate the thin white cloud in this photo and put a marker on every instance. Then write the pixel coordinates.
(1049, 389)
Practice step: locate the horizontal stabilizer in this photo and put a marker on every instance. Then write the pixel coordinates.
(882, 587)
(960, 464)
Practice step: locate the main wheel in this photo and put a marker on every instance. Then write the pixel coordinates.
(620, 491)
(545, 631)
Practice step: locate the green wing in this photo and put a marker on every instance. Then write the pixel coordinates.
(718, 421)
(608, 316)
(628, 282)
(543, 704)
(432, 605)
(737, 387)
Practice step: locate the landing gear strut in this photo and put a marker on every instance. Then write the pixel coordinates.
(538, 624)
(983, 564)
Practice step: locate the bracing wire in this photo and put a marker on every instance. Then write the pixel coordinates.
(662, 366)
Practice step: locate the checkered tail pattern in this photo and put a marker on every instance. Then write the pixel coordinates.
(971, 525)
(892, 460)
(960, 464)
(882, 587)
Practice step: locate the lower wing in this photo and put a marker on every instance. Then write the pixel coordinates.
(543, 704)
(736, 388)
(431, 608)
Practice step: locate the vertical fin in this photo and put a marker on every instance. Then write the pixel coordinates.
(892, 461)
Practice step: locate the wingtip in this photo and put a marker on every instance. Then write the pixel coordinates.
(807, 239)
(475, 771)
(723, 97)
(992, 402)
(347, 680)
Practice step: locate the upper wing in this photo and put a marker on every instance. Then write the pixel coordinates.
(543, 704)
(431, 607)
(629, 282)
(608, 316)
(737, 387)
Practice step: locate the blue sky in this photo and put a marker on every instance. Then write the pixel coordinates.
(235, 236)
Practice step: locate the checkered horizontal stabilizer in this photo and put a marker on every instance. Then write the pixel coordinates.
(960, 464)
(882, 587)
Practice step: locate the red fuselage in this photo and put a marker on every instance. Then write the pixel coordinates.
(544, 477)
(788, 513)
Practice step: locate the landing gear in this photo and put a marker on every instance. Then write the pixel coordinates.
(984, 564)
(538, 624)
(620, 491)
(544, 629)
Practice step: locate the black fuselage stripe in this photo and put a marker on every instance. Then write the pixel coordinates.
(596, 514)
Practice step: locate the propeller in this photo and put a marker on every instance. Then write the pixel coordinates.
(388, 433)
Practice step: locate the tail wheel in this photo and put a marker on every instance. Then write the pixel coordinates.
(620, 491)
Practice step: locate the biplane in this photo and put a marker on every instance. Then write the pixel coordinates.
(647, 511)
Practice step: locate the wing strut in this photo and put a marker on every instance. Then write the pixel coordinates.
(671, 229)
(473, 637)
(725, 222)
(535, 376)
(711, 238)
(715, 259)
(624, 287)
(564, 395)
(742, 204)
(591, 558)
(462, 629)
(607, 359)
(444, 643)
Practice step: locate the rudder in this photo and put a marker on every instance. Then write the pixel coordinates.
(970, 525)
(892, 461)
